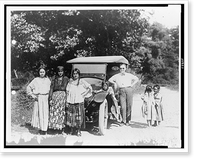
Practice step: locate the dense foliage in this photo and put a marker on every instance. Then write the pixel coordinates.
(53, 37)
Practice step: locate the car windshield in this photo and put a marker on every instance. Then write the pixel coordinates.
(95, 70)
(94, 82)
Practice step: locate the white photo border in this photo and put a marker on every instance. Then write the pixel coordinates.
(183, 80)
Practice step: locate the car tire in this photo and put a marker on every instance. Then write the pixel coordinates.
(103, 117)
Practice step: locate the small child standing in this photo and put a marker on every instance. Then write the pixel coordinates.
(158, 104)
(148, 107)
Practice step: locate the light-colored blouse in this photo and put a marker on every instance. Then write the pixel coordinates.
(123, 80)
(39, 86)
(75, 92)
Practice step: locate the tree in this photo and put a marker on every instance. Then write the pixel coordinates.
(40, 36)
(161, 65)
(53, 37)
(25, 38)
(56, 36)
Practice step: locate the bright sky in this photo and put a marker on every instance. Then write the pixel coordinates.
(168, 16)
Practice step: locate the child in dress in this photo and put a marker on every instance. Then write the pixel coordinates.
(148, 107)
(158, 104)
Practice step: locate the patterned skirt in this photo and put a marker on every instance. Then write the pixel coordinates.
(75, 115)
(57, 110)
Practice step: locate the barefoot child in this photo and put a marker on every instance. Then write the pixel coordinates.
(158, 104)
(148, 107)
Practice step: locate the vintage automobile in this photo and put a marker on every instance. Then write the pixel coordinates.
(95, 70)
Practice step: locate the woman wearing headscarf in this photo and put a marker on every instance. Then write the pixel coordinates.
(38, 89)
(77, 90)
(57, 99)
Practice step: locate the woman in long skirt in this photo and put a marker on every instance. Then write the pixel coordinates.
(77, 90)
(57, 99)
(39, 90)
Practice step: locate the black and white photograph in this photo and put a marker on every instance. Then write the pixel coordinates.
(108, 77)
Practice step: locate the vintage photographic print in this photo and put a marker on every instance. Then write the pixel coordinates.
(96, 77)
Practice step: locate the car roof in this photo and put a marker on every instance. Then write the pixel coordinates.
(99, 59)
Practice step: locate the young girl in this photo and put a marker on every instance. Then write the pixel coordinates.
(57, 99)
(115, 111)
(158, 104)
(148, 107)
(39, 90)
(77, 89)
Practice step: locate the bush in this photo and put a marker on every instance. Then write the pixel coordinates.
(22, 106)
(18, 83)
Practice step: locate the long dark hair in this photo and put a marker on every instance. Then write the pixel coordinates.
(148, 89)
(156, 86)
(60, 68)
(44, 68)
(79, 73)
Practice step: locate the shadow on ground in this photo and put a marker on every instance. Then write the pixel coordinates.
(31, 129)
(90, 128)
(138, 125)
(36, 131)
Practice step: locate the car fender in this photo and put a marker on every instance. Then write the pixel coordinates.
(100, 97)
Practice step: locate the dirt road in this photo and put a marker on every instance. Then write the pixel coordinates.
(167, 134)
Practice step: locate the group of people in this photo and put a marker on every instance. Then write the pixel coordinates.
(152, 108)
(59, 103)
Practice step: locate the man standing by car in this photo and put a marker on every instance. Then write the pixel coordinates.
(124, 82)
